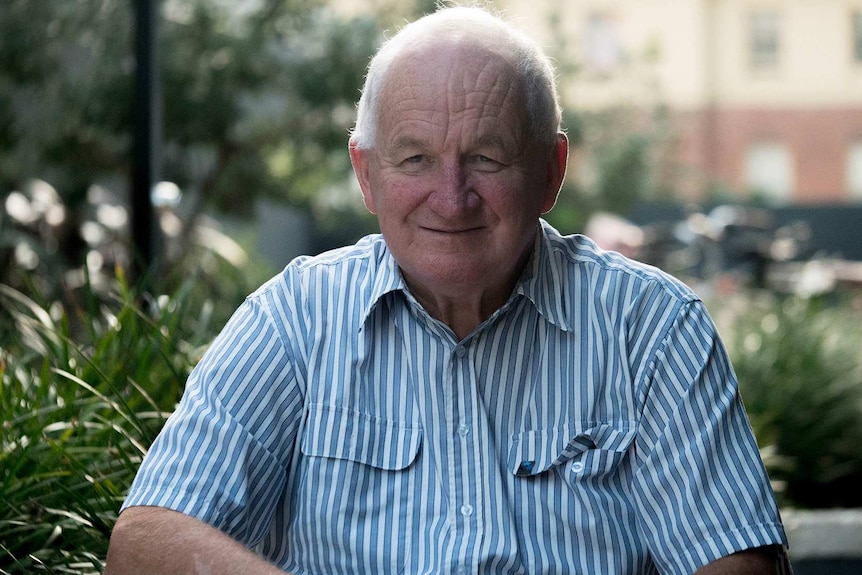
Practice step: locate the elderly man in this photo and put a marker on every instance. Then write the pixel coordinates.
(469, 392)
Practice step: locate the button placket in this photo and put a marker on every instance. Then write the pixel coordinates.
(467, 433)
(463, 431)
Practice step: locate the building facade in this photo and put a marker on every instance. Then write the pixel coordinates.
(763, 96)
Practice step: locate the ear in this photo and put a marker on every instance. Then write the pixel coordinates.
(558, 160)
(360, 161)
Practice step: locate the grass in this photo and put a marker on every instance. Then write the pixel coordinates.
(86, 385)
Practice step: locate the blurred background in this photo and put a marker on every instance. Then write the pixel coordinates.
(234, 115)
(159, 159)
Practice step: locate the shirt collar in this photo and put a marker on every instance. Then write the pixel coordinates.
(545, 280)
(386, 277)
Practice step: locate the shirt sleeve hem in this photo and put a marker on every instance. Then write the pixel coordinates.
(181, 502)
(727, 543)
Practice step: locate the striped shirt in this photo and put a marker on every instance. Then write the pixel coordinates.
(591, 425)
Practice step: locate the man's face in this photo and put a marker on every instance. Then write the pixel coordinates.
(453, 177)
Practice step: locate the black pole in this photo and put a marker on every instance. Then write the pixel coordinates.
(147, 133)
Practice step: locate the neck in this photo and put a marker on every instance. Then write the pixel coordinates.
(462, 313)
(463, 304)
(464, 307)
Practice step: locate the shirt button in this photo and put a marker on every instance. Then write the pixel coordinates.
(578, 466)
(463, 430)
(467, 510)
(460, 351)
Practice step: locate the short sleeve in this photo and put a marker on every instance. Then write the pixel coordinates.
(701, 488)
(222, 455)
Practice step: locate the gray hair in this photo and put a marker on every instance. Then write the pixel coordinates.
(534, 68)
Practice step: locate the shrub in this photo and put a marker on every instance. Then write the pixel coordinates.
(800, 377)
(86, 385)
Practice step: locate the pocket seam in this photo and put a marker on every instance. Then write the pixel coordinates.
(342, 433)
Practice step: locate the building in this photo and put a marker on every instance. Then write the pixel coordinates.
(763, 96)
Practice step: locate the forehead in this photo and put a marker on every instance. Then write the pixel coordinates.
(456, 89)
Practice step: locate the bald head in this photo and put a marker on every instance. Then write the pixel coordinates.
(451, 31)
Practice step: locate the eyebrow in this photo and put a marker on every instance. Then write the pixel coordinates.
(497, 142)
(494, 140)
(408, 142)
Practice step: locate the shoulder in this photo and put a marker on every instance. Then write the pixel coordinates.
(580, 258)
(337, 269)
(343, 283)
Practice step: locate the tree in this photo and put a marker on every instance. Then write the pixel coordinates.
(258, 101)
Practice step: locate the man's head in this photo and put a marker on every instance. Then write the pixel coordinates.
(534, 67)
(457, 150)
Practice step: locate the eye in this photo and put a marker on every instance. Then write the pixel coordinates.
(414, 160)
(414, 164)
(486, 163)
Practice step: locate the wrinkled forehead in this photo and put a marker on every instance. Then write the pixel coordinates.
(455, 78)
(426, 58)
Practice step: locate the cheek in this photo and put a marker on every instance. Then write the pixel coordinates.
(395, 199)
(511, 200)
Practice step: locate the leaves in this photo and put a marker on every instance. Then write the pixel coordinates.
(240, 84)
(801, 379)
(85, 391)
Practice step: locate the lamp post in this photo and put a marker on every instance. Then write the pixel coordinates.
(147, 135)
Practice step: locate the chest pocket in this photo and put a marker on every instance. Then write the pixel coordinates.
(588, 453)
(357, 473)
(340, 433)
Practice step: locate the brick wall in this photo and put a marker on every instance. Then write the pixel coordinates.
(711, 146)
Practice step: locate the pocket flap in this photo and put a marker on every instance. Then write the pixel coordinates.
(534, 452)
(341, 433)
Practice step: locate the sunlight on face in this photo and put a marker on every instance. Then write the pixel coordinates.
(456, 183)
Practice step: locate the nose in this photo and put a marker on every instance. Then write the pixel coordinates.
(453, 195)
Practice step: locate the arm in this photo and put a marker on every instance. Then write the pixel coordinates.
(702, 487)
(154, 541)
(759, 561)
(220, 457)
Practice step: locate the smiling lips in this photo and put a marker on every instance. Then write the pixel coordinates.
(443, 233)
(454, 232)
(451, 231)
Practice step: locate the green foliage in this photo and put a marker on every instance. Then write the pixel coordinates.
(86, 386)
(800, 376)
(64, 90)
(623, 172)
(261, 100)
(257, 99)
(617, 160)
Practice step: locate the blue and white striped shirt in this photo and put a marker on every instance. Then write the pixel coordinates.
(591, 425)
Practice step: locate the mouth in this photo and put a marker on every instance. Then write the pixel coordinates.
(452, 231)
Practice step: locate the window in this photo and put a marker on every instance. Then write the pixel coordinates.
(601, 43)
(763, 40)
(769, 170)
(854, 170)
(857, 37)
